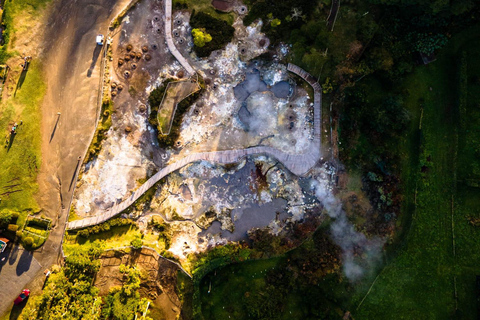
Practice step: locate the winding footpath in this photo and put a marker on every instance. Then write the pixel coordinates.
(170, 44)
(298, 164)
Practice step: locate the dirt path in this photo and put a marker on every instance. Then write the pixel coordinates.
(71, 63)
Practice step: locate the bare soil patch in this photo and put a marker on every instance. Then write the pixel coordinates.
(159, 285)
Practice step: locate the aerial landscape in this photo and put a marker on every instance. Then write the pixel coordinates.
(240, 159)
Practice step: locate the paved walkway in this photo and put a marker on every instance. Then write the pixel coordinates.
(16, 271)
(298, 164)
(168, 36)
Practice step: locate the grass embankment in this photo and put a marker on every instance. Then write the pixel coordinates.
(228, 288)
(203, 6)
(118, 232)
(116, 237)
(20, 159)
(155, 99)
(432, 276)
(104, 124)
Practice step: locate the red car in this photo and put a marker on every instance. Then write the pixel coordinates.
(24, 295)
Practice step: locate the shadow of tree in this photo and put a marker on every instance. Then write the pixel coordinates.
(18, 309)
(20, 81)
(24, 262)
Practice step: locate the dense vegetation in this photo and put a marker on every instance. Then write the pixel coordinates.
(296, 286)
(219, 30)
(104, 124)
(405, 128)
(69, 292)
(85, 233)
(155, 99)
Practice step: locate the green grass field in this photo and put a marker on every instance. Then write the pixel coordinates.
(20, 157)
(422, 279)
(116, 237)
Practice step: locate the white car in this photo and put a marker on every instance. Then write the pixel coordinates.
(100, 39)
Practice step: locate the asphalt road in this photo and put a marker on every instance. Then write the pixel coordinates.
(17, 270)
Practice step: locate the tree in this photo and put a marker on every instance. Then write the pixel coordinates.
(5, 217)
(275, 22)
(427, 43)
(137, 243)
(69, 293)
(124, 302)
(200, 37)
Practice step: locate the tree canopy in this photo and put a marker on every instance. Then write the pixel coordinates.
(200, 37)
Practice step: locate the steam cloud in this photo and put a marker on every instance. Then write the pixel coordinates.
(359, 253)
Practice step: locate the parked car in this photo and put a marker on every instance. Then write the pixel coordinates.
(3, 244)
(100, 39)
(24, 295)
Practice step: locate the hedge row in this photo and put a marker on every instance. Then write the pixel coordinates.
(118, 222)
(45, 224)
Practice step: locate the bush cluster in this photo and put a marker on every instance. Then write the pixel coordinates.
(85, 233)
(220, 31)
(103, 126)
(7, 217)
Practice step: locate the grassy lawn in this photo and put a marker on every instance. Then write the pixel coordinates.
(175, 93)
(419, 280)
(205, 6)
(114, 238)
(20, 158)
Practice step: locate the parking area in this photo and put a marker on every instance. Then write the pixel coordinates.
(17, 268)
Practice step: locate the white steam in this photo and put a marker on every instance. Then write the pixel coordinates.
(360, 254)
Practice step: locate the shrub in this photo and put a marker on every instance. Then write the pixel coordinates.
(28, 241)
(136, 243)
(83, 233)
(168, 255)
(200, 37)
(7, 217)
(118, 222)
(12, 227)
(219, 31)
(103, 126)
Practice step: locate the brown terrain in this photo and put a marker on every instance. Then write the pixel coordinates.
(62, 37)
(72, 72)
(158, 284)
